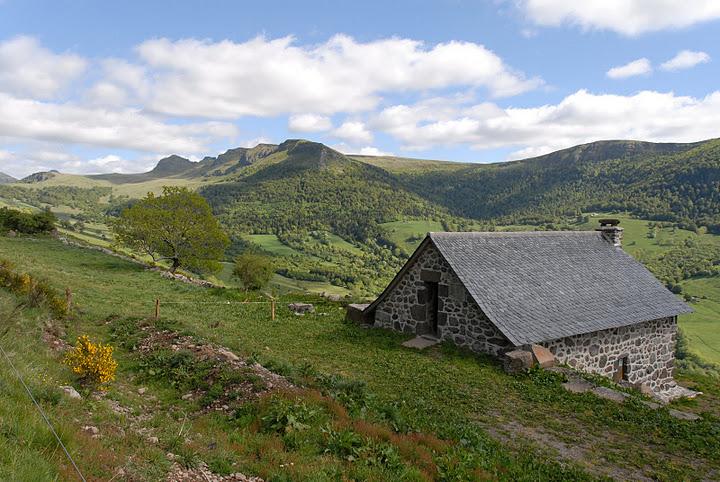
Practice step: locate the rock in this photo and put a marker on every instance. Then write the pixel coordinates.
(645, 389)
(228, 355)
(421, 342)
(142, 390)
(542, 356)
(11, 234)
(71, 392)
(301, 308)
(683, 415)
(334, 297)
(356, 313)
(517, 361)
(610, 394)
(91, 429)
(170, 456)
(577, 386)
(187, 396)
(651, 405)
(153, 440)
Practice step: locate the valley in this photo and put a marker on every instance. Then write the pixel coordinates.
(344, 225)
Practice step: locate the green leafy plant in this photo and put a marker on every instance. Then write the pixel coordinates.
(177, 226)
(253, 270)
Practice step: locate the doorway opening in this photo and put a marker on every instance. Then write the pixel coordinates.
(431, 288)
(624, 368)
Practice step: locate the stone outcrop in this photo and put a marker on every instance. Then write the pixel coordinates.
(301, 308)
(517, 361)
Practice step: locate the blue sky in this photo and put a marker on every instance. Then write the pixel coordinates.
(100, 86)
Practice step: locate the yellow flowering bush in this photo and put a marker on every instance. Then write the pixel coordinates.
(93, 362)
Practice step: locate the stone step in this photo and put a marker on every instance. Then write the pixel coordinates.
(421, 342)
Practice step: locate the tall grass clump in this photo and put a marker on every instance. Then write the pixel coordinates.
(37, 292)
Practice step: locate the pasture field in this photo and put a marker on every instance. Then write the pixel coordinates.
(479, 422)
(409, 234)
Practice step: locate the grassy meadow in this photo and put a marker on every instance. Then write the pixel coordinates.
(365, 399)
(640, 240)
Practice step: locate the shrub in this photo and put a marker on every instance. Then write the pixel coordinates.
(254, 270)
(94, 363)
(26, 223)
(37, 291)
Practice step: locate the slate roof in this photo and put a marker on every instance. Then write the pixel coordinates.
(543, 285)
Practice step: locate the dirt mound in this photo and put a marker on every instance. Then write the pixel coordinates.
(229, 380)
(203, 474)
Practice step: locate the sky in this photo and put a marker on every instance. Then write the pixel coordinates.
(91, 87)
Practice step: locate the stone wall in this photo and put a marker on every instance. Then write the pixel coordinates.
(460, 320)
(649, 347)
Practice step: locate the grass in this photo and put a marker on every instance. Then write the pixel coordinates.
(338, 242)
(271, 244)
(636, 235)
(448, 394)
(703, 326)
(409, 234)
(408, 165)
(133, 190)
(284, 285)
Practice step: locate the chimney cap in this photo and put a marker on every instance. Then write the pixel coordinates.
(608, 222)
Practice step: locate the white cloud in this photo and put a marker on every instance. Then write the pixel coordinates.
(580, 117)
(631, 69)
(628, 17)
(28, 69)
(685, 59)
(354, 132)
(255, 141)
(111, 163)
(374, 151)
(309, 123)
(107, 94)
(269, 77)
(122, 128)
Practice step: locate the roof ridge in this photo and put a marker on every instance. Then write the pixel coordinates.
(510, 233)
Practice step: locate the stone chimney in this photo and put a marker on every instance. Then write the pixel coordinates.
(611, 231)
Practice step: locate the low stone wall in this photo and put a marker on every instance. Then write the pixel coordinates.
(460, 320)
(649, 347)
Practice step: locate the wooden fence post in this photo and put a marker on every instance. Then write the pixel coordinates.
(157, 309)
(272, 309)
(69, 300)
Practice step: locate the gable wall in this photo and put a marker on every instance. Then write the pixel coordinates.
(460, 320)
(649, 346)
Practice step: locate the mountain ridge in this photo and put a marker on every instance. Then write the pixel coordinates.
(663, 181)
(6, 178)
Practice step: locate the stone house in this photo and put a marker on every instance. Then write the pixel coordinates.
(577, 293)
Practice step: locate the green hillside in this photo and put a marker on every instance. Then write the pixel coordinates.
(351, 221)
(671, 182)
(400, 414)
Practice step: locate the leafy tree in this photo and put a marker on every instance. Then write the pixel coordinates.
(25, 222)
(253, 270)
(177, 226)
